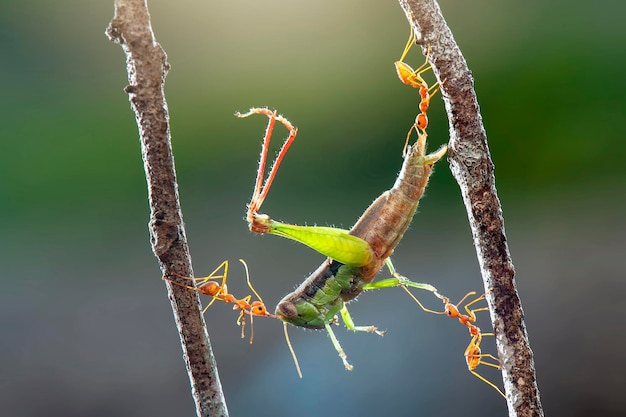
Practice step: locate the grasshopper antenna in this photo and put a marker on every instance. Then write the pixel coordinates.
(293, 352)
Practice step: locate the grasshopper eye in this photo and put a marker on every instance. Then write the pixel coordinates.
(287, 310)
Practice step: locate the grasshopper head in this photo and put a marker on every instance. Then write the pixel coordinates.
(300, 313)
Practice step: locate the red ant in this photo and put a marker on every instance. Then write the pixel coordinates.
(207, 286)
(473, 354)
(412, 77)
(474, 357)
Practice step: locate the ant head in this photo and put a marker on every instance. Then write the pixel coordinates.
(421, 121)
(451, 310)
(257, 308)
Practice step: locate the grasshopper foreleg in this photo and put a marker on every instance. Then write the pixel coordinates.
(347, 320)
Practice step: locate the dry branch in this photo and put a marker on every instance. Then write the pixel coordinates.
(147, 67)
(471, 165)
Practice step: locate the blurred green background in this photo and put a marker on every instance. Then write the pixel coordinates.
(86, 327)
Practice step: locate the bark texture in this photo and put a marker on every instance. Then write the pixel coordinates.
(147, 67)
(473, 169)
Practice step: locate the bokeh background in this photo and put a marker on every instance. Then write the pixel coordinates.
(85, 325)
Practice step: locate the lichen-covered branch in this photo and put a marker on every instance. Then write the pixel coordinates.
(471, 165)
(147, 67)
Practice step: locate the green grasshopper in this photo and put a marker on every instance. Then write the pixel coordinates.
(355, 256)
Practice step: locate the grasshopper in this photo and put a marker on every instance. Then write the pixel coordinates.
(355, 256)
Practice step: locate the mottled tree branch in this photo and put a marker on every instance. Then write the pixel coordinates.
(147, 67)
(471, 165)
